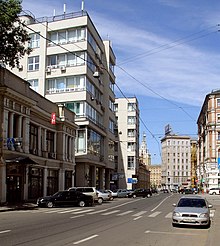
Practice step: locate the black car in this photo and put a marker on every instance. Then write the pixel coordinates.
(140, 192)
(69, 198)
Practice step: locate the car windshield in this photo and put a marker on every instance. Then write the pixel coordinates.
(198, 203)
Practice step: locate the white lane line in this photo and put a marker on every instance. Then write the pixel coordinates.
(172, 233)
(55, 211)
(99, 211)
(169, 215)
(140, 213)
(1, 232)
(154, 214)
(111, 212)
(77, 216)
(137, 218)
(161, 203)
(69, 211)
(127, 212)
(212, 213)
(83, 211)
(85, 239)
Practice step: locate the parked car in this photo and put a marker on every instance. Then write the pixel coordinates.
(122, 192)
(165, 190)
(111, 195)
(105, 195)
(69, 198)
(214, 191)
(88, 191)
(191, 210)
(154, 190)
(140, 192)
(187, 191)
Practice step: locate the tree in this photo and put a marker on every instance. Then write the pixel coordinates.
(13, 34)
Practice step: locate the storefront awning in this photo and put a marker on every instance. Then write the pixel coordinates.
(21, 160)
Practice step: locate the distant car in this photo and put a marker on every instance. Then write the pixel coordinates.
(165, 190)
(112, 194)
(122, 192)
(140, 193)
(214, 191)
(88, 191)
(62, 198)
(153, 190)
(187, 191)
(191, 210)
(174, 190)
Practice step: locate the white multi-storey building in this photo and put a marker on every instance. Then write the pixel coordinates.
(71, 65)
(176, 161)
(127, 116)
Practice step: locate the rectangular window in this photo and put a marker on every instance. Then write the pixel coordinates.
(111, 125)
(131, 120)
(35, 40)
(218, 102)
(131, 146)
(131, 107)
(116, 107)
(131, 163)
(34, 84)
(218, 135)
(33, 63)
(131, 132)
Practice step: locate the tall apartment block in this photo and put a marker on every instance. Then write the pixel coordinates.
(208, 163)
(176, 161)
(127, 118)
(72, 66)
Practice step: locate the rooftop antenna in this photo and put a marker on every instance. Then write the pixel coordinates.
(82, 6)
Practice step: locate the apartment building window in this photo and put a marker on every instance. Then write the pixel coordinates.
(35, 40)
(67, 36)
(95, 142)
(52, 181)
(131, 162)
(131, 133)
(91, 64)
(76, 107)
(34, 84)
(111, 125)
(218, 117)
(218, 135)
(111, 105)
(65, 84)
(116, 107)
(218, 102)
(50, 141)
(111, 85)
(33, 63)
(131, 107)
(111, 150)
(68, 59)
(131, 120)
(131, 146)
(81, 141)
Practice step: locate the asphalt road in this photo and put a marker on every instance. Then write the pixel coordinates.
(124, 221)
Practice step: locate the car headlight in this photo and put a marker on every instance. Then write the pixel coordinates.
(41, 200)
(176, 214)
(204, 215)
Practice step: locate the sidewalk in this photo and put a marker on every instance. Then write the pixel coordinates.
(19, 206)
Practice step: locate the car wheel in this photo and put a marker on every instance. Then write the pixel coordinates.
(214, 193)
(112, 198)
(148, 195)
(82, 204)
(134, 195)
(174, 225)
(100, 200)
(50, 204)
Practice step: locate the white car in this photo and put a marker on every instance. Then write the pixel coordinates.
(103, 196)
(214, 191)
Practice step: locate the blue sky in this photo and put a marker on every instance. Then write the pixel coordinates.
(167, 55)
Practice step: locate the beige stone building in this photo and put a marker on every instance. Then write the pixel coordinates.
(127, 117)
(37, 155)
(155, 176)
(71, 65)
(208, 163)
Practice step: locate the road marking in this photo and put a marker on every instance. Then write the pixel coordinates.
(1, 232)
(137, 218)
(212, 213)
(169, 215)
(111, 212)
(77, 216)
(85, 239)
(154, 214)
(171, 233)
(83, 211)
(69, 211)
(161, 203)
(127, 212)
(140, 213)
(55, 211)
(99, 211)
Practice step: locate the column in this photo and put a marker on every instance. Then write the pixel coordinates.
(61, 179)
(3, 186)
(45, 182)
(26, 132)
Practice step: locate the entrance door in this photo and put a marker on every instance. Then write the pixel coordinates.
(14, 188)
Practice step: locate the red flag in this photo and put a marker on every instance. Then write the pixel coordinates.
(53, 119)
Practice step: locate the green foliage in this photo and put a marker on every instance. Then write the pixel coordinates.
(13, 34)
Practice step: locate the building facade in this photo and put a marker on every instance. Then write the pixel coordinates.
(176, 161)
(127, 118)
(37, 144)
(155, 176)
(208, 122)
(72, 66)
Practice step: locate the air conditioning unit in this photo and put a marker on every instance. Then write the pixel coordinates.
(20, 67)
(48, 69)
(63, 68)
(92, 98)
(96, 74)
